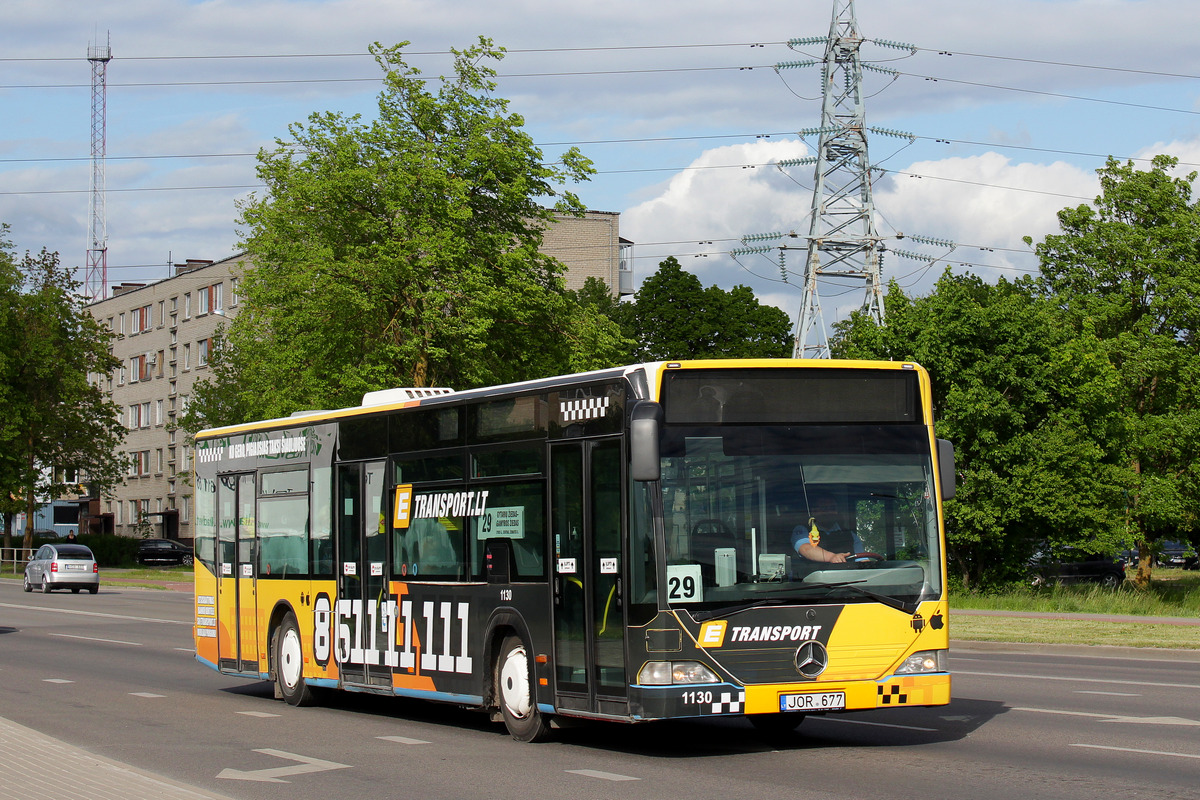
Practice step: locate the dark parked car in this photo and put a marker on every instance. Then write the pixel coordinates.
(62, 566)
(163, 551)
(1075, 566)
(1178, 554)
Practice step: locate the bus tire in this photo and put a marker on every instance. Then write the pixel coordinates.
(288, 655)
(515, 692)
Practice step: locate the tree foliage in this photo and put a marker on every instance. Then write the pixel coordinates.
(674, 317)
(1028, 406)
(1128, 268)
(55, 421)
(404, 250)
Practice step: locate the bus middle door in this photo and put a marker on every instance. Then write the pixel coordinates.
(589, 629)
(362, 618)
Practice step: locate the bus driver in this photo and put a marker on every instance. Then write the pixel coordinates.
(823, 538)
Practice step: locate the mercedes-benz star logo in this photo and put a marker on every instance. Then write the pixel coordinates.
(811, 659)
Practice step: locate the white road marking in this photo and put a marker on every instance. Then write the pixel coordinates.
(1140, 752)
(97, 614)
(95, 639)
(259, 714)
(1076, 680)
(56, 680)
(607, 776)
(1108, 694)
(276, 774)
(1116, 717)
(146, 694)
(402, 740)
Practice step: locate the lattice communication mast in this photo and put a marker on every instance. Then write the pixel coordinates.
(95, 280)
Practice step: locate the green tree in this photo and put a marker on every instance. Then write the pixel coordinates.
(674, 317)
(1026, 401)
(56, 421)
(404, 250)
(11, 502)
(1128, 268)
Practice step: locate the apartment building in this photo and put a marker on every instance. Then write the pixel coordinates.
(164, 334)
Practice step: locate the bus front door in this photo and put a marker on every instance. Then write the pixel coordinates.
(589, 635)
(361, 617)
(237, 602)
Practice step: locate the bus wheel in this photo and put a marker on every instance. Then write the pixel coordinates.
(514, 690)
(775, 726)
(289, 664)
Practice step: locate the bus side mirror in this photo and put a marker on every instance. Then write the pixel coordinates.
(946, 473)
(645, 423)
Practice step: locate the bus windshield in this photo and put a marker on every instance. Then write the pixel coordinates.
(741, 502)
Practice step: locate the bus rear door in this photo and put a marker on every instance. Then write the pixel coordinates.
(237, 605)
(589, 643)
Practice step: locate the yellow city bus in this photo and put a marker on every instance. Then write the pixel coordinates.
(627, 544)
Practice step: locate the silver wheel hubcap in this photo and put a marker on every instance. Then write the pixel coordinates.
(514, 684)
(290, 659)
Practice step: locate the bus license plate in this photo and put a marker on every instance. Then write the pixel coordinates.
(822, 701)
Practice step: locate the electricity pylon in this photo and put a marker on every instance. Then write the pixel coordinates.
(842, 240)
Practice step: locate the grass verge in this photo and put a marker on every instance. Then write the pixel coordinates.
(1172, 593)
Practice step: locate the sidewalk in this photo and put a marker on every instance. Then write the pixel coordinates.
(1096, 617)
(36, 767)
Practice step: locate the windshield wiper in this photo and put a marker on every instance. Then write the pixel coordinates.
(729, 611)
(890, 602)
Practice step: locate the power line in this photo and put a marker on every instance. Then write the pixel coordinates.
(407, 53)
(614, 48)
(642, 140)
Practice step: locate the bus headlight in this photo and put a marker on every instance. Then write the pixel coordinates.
(924, 661)
(665, 673)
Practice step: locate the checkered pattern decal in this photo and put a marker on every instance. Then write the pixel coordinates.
(726, 704)
(908, 690)
(585, 408)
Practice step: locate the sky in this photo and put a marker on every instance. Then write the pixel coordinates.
(1013, 107)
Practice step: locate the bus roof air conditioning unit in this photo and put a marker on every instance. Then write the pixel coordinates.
(385, 397)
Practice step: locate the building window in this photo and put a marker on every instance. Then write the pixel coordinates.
(187, 305)
(139, 368)
(209, 300)
(233, 291)
(158, 412)
(162, 314)
(140, 319)
(187, 357)
(202, 348)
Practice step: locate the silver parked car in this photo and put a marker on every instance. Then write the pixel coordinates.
(62, 566)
